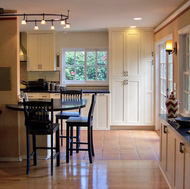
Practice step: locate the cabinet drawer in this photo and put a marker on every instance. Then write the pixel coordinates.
(44, 95)
(33, 95)
(55, 95)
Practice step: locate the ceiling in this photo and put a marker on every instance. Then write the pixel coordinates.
(97, 15)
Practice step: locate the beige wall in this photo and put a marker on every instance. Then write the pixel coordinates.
(9, 129)
(173, 28)
(81, 40)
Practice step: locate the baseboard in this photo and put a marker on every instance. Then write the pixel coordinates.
(165, 176)
(115, 127)
(10, 159)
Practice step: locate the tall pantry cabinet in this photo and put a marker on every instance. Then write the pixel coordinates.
(131, 77)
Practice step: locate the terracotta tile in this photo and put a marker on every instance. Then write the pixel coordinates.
(127, 146)
(148, 157)
(128, 151)
(145, 151)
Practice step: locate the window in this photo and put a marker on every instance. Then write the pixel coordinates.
(83, 66)
(186, 75)
(166, 76)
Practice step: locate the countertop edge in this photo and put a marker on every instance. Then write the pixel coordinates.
(175, 131)
(58, 91)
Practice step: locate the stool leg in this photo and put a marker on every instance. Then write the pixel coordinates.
(28, 151)
(34, 150)
(71, 142)
(58, 147)
(77, 139)
(61, 132)
(92, 144)
(51, 154)
(67, 145)
(89, 145)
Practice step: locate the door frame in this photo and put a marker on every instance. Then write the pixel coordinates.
(157, 78)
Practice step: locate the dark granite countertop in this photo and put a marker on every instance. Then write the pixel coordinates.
(181, 131)
(58, 91)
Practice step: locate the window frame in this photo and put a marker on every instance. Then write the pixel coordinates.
(182, 63)
(83, 82)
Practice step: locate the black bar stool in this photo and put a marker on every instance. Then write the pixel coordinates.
(81, 122)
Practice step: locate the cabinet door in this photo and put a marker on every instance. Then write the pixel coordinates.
(117, 42)
(101, 113)
(170, 160)
(132, 97)
(163, 146)
(187, 168)
(46, 59)
(33, 52)
(132, 53)
(118, 101)
(179, 172)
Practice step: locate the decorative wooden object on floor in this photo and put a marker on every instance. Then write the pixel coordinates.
(81, 122)
(37, 122)
(73, 95)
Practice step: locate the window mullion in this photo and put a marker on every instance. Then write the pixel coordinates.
(96, 65)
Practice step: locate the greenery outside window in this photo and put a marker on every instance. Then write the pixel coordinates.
(85, 66)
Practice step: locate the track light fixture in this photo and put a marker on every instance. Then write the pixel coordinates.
(29, 18)
(52, 26)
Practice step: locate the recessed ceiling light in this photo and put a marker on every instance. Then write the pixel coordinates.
(137, 18)
(133, 26)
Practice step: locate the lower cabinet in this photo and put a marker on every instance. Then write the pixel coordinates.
(101, 112)
(174, 158)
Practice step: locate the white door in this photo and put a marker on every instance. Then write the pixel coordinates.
(166, 76)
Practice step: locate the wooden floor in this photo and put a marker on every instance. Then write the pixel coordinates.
(101, 174)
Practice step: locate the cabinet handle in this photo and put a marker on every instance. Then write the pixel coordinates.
(165, 129)
(181, 147)
(125, 73)
(125, 82)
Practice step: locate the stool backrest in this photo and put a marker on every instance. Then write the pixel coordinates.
(92, 106)
(37, 114)
(71, 95)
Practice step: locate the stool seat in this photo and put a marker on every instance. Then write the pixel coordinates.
(66, 115)
(78, 121)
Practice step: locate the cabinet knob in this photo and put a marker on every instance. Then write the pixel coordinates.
(181, 147)
(165, 129)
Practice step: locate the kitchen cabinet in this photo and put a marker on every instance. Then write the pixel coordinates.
(174, 157)
(40, 52)
(101, 111)
(167, 147)
(131, 77)
(38, 95)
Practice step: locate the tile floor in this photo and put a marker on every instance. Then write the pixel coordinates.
(121, 145)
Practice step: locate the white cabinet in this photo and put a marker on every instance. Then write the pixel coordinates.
(174, 158)
(101, 112)
(167, 147)
(40, 52)
(131, 77)
(38, 95)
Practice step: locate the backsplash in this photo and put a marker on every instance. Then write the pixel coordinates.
(47, 75)
(23, 71)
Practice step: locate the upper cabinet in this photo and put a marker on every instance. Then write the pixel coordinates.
(40, 52)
